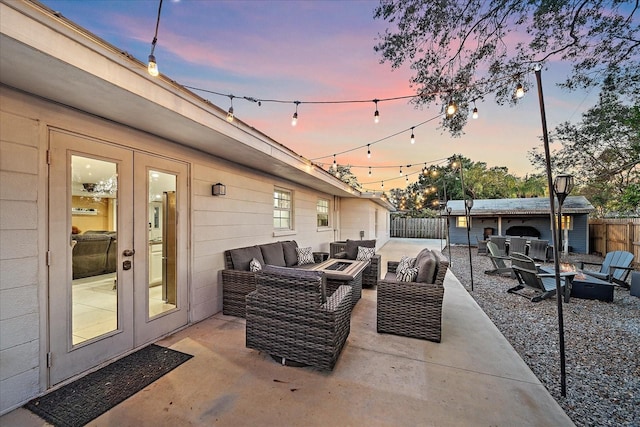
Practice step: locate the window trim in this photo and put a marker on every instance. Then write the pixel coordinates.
(461, 221)
(291, 210)
(327, 213)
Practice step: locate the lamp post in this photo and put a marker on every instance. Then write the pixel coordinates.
(562, 186)
(467, 208)
(468, 204)
(448, 238)
(556, 258)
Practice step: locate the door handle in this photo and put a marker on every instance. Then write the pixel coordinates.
(128, 252)
(126, 265)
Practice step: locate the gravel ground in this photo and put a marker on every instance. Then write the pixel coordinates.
(602, 342)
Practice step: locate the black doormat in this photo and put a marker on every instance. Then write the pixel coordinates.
(81, 401)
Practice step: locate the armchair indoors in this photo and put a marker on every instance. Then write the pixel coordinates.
(290, 316)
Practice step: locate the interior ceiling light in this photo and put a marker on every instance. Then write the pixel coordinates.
(413, 137)
(519, 91)
(153, 65)
(376, 115)
(294, 120)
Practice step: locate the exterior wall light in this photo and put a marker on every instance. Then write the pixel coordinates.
(218, 190)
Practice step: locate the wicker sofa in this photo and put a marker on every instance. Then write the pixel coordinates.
(349, 250)
(291, 316)
(413, 309)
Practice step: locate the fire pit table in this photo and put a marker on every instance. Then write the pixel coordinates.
(343, 272)
(585, 286)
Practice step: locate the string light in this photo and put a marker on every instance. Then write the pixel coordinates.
(407, 178)
(230, 112)
(519, 91)
(400, 170)
(475, 111)
(382, 185)
(451, 108)
(334, 161)
(153, 65)
(294, 120)
(413, 137)
(368, 151)
(369, 170)
(376, 115)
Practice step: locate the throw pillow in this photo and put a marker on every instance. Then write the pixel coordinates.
(407, 274)
(406, 262)
(255, 265)
(305, 256)
(365, 254)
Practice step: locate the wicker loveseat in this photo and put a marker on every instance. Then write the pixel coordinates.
(371, 274)
(291, 316)
(413, 309)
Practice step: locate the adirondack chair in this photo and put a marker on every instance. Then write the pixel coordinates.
(518, 244)
(531, 276)
(615, 268)
(501, 243)
(538, 249)
(498, 260)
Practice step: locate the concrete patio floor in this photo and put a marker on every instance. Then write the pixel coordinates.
(472, 378)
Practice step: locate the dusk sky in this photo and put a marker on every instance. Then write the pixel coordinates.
(321, 51)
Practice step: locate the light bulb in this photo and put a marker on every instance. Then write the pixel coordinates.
(475, 113)
(294, 120)
(376, 117)
(369, 170)
(153, 66)
(230, 115)
(451, 108)
(519, 91)
(413, 137)
(368, 152)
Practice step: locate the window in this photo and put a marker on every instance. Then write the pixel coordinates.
(461, 221)
(322, 209)
(282, 209)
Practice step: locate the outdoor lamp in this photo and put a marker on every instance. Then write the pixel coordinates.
(153, 66)
(562, 186)
(469, 204)
(218, 190)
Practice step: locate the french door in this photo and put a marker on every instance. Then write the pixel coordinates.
(118, 239)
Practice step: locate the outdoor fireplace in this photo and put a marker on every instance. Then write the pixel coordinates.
(523, 230)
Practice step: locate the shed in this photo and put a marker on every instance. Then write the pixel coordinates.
(521, 217)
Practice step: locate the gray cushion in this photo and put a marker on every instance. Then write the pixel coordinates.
(351, 247)
(242, 257)
(290, 254)
(273, 254)
(426, 267)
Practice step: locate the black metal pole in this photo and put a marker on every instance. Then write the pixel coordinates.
(467, 216)
(556, 258)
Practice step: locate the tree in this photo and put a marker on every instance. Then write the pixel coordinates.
(344, 174)
(602, 152)
(464, 50)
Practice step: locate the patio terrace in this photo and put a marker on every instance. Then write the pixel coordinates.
(472, 378)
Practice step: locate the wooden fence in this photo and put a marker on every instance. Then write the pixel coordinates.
(606, 235)
(419, 228)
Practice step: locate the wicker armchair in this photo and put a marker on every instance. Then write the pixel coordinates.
(412, 309)
(289, 316)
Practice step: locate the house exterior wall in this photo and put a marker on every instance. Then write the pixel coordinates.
(578, 236)
(358, 215)
(243, 217)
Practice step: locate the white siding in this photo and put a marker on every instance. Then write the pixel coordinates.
(360, 215)
(19, 309)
